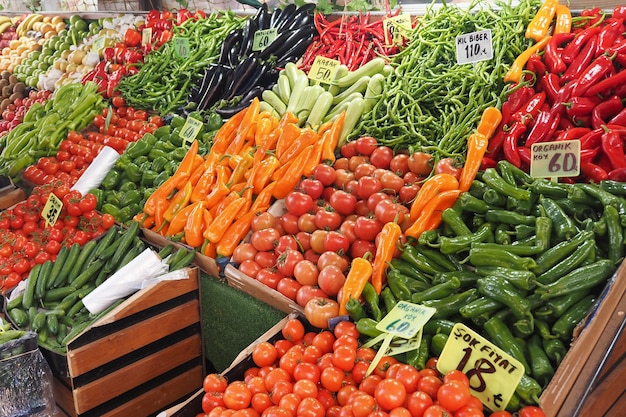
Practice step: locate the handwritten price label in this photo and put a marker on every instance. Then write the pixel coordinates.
(323, 69)
(146, 36)
(52, 209)
(396, 28)
(190, 129)
(181, 47)
(262, 38)
(555, 159)
(98, 44)
(493, 374)
(474, 47)
(405, 319)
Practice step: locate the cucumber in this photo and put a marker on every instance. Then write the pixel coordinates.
(15, 302)
(39, 321)
(58, 266)
(85, 253)
(59, 294)
(166, 250)
(184, 261)
(52, 322)
(29, 292)
(87, 274)
(125, 242)
(19, 317)
(61, 278)
(106, 240)
(42, 279)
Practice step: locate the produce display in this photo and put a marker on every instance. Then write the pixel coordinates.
(403, 176)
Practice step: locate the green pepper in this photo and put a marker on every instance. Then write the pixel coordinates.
(494, 198)
(555, 349)
(137, 149)
(452, 218)
(451, 245)
(411, 255)
(556, 307)
(127, 186)
(529, 390)
(108, 208)
(389, 301)
(584, 277)
(111, 180)
(495, 181)
(161, 178)
(502, 234)
(367, 326)
(471, 204)
(564, 326)
(564, 226)
(447, 262)
(158, 164)
(480, 306)
(615, 249)
(450, 305)
(178, 154)
(428, 237)
(568, 264)
(434, 326)
(126, 213)
(175, 139)
(560, 251)
(437, 343)
(113, 197)
(437, 291)
(418, 357)
(99, 196)
(122, 161)
(509, 217)
(213, 121)
(572, 208)
(372, 300)
(498, 288)
(162, 131)
(522, 231)
(143, 159)
(542, 328)
(477, 189)
(165, 146)
(498, 332)
(147, 192)
(499, 257)
(133, 173)
(466, 278)
(150, 139)
(519, 175)
(131, 197)
(521, 279)
(407, 269)
(155, 153)
(398, 285)
(355, 309)
(147, 178)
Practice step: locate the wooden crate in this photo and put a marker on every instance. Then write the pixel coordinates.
(142, 357)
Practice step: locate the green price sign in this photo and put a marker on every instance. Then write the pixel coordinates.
(98, 44)
(262, 38)
(181, 47)
(190, 129)
(405, 319)
(52, 209)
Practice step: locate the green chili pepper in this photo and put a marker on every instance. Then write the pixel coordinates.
(584, 277)
(568, 264)
(437, 291)
(434, 326)
(542, 328)
(521, 279)
(450, 305)
(564, 226)
(555, 349)
(367, 326)
(560, 251)
(411, 255)
(564, 326)
(389, 301)
(428, 237)
(523, 231)
(453, 219)
(466, 278)
(494, 198)
(502, 234)
(451, 245)
(549, 188)
(437, 343)
(355, 309)
(477, 189)
(556, 307)
(445, 261)
(498, 288)
(519, 175)
(495, 181)
(498, 332)
(615, 242)
(471, 204)
(418, 357)
(372, 300)
(398, 285)
(405, 268)
(480, 306)
(499, 257)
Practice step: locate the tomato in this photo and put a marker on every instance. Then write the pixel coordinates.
(429, 384)
(409, 377)
(17, 222)
(360, 247)
(356, 160)
(274, 375)
(384, 364)
(214, 382)
(342, 176)
(343, 202)
(387, 211)
(263, 220)
(287, 261)
(311, 186)
(448, 166)
(331, 378)
(42, 257)
(286, 242)
(306, 272)
(264, 240)
(469, 411)
(324, 341)
(288, 287)
(453, 395)
(325, 174)
(399, 164)
(266, 259)
(390, 393)
(336, 242)
(269, 277)
(237, 395)
(363, 404)
(319, 309)
(293, 330)
(53, 247)
(327, 219)
(420, 163)
(264, 354)
(348, 150)
(367, 228)
(289, 223)
(500, 414)
(298, 203)
(531, 411)
(212, 400)
(307, 370)
(392, 182)
(365, 145)
(21, 266)
(408, 192)
(307, 293)
(456, 375)
(310, 407)
(250, 268)
(367, 186)
(436, 410)
(331, 280)
(342, 163)
(364, 170)
(332, 258)
(381, 157)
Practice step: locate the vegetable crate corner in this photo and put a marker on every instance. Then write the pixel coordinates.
(143, 356)
(9, 193)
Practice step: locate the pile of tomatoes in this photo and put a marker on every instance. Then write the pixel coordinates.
(331, 217)
(324, 374)
(26, 239)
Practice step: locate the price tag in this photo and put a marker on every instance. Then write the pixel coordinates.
(474, 47)
(396, 28)
(190, 129)
(323, 69)
(262, 38)
(146, 36)
(181, 47)
(555, 159)
(493, 374)
(405, 319)
(52, 209)
(98, 44)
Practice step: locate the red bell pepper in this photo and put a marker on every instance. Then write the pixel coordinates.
(132, 37)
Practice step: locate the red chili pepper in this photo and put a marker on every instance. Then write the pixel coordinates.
(618, 174)
(519, 97)
(607, 84)
(549, 83)
(591, 139)
(605, 110)
(530, 109)
(536, 66)
(566, 124)
(182, 15)
(552, 52)
(593, 172)
(620, 59)
(588, 155)
(525, 154)
(619, 47)
(581, 60)
(574, 133)
(598, 68)
(581, 106)
(619, 118)
(511, 140)
(487, 163)
(545, 126)
(613, 148)
(594, 16)
(611, 31)
(572, 49)
(619, 12)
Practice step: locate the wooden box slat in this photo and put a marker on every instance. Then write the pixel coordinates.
(93, 355)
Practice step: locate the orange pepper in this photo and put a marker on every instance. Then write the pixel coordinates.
(144, 220)
(241, 139)
(307, 137)
(202, 187)
(210, 249)
(225, 135)
(264, 172)
(476, 148)
(264, 127)
(388, 238)
(194, 227)
(159, 209)
(359, 274)
(292, 175)
(162, 193)
(315, 157)
(272, 138)
(538, 27)
(563, 19)
(489, 121)
(180, 200)
(222, 221)
(243, 165)
(177, 224)
(235, 234)
(514, 74)
(288, 135)
(251, 116)
(438, 203)
(328, 151)
(186, 166)
(430, 188)
(263, 199)
(219, 207)
(220, 190)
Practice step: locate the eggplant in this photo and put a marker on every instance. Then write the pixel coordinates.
(248, 38)
(276, 44)
(294, 53)
(214, 87)
(242, 73)
(300, 20)
(262, 18)
(228, 112)
(253, 81)
(285, 15)
(275, 17)
(304, 32)
(233, 39)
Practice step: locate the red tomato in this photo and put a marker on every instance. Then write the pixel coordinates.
(331, 378)
(367, 228)
(365, 145)
(310, 407)
(429, 384)
(448, 166)
(307, 293)
(390, 393)
(453, 395)
(264, 354)
(269, 277)
(332, 258)
(289, 223)
(368, 186)
(306, 272)
(311, 186)
(325, 174)
(319, 310)
(214, 382)
(381, 157)
(331, 280)
(298, 203)
(250, 268)
(306, 370)
(288, 287)
(399, 164)
(364, 170)
(531, 411)
(343, 202)
(237, 396)
(327, 219)
(336, 242)
(264, 240)
(263, 220)
(288, 260)
(348, 150)
(293, 330)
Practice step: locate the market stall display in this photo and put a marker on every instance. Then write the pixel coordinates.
(416, 179)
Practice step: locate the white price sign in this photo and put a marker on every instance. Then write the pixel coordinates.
(474, 47)
(555, 159)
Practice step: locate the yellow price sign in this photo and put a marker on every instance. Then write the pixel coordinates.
(493, 374)
(190, 129)
(323, 69)
(52, 209)
(396, 27)
(146, 36)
